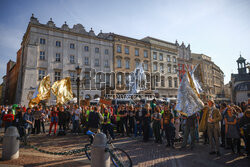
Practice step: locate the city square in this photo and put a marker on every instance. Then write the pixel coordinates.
(91, 84)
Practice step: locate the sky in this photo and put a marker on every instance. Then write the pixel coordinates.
(217, 28)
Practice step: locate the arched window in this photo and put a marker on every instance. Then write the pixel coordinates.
(170, 82)
(162, 81)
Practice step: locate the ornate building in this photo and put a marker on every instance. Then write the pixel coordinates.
(57, 51)
(129, 53)
(204, 73)
(218, 82)
(184, 59)
(240, 83)
(210, 76)
(164, 67)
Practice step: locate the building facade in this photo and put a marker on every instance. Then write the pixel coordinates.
(57, 51)
(129, 53)
(218, 81)
(204, 73)
(3, 100)
(240, 83)
(184, 59)
(164, 66)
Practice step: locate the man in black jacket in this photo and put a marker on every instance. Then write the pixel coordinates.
(245, 124)
(95, 119)
(19, 122)
(62, 116)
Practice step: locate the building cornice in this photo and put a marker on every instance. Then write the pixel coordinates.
(60, 30)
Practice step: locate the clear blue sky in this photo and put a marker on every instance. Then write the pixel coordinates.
(217, 28)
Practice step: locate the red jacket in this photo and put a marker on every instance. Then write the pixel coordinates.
(8, 117)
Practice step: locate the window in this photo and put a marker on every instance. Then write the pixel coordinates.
(136, 52)
(126, 50)
(170, 82)
(155, 67)
(57, 75)
(58, 57)
(108, 79)
(162, 82)
(119, 79)
(98, 78)
(156, 80)
(127, 80)
(137, 63)
(72, 59)
(72, 46)
(86, 61)
(175, 83)
(119, 63)
(58, 43)
(161, 68)
(106, 63)
(96, 50)
(42, 55)
(145, 66)
(106, 52)
(41, 74)
(87, 78)
(42, 41)
(175, 70)
(72, 75)
(155, 56)
(145, 53)
(169, 69)
(86, 48)
(97, 62)
(174, 59)
(119, 49)
(127, 64)
(168, 58)
(161, 57)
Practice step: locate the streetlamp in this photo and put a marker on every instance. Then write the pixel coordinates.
(78, 71)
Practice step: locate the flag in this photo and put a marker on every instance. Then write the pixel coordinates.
(42, 92)
(62, 90)
(188, 97)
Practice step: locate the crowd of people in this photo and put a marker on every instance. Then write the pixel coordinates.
(222, 125)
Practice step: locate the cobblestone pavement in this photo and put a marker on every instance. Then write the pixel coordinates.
(142, 154)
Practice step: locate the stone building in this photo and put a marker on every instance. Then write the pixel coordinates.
(10, 85)
(164, 55)
(3, 100)
(240, 83)
(204, 73)
(218, 81)
(210, 76)
(57, 51)
(184, 59)
(129, 53)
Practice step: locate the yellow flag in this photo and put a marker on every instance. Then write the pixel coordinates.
(42, 92)
(62, 90)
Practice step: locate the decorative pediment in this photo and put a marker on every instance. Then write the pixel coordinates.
(79, 28)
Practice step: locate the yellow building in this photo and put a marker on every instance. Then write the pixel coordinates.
(129, 53)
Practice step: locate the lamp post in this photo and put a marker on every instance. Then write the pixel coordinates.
(78, 71)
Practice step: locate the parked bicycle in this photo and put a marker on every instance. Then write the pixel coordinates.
(118, 156)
